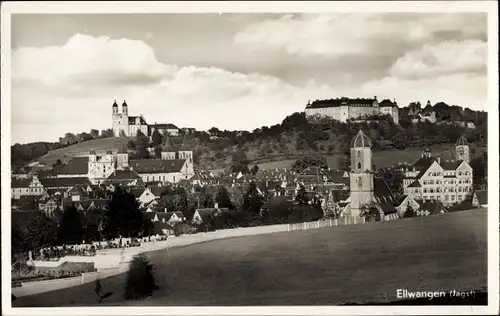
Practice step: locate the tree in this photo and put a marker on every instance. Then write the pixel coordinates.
(140, 281)
(70, 230)
(254, 170)
(94, 133)
(157, 138)
(330, 208)
(236, 196)
(394, 179)
(252, 200)
(122, 216)
(305, 162)
(410, 212)
(301, 197)
(158, 152)
(105, 133)
(142, 144)
(41, 232)
(223, 199)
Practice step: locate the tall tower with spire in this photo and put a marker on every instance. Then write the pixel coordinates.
(361, 176)
(462, 150)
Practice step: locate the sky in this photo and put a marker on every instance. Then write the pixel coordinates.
(233, 71)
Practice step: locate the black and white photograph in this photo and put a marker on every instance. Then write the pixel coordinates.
(302, 157)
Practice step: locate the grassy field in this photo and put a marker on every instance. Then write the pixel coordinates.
(100, 145)
(328, 266)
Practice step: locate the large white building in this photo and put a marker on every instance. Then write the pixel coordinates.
(343, 109)
(113, 167)
(431, 179)
(125, 125)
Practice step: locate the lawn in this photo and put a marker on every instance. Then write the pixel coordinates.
(328, 266)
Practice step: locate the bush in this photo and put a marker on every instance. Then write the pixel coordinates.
(140, 279)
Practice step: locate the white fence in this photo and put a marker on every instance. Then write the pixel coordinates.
(111, 262)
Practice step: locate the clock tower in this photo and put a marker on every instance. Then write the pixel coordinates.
(361, 176)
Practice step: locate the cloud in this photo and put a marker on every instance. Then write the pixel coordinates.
(343, 34)
(436, 59)
(84, 59)
(74, 85)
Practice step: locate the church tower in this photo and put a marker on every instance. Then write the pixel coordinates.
(122, 158)
(462, 150)
(361, 176)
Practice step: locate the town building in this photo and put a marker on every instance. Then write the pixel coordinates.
(116, 168)
(26, 187)
(125, 125)
(368, 193)
(343, 109)
(448, 182)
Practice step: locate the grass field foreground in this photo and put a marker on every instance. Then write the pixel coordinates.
(328, 266)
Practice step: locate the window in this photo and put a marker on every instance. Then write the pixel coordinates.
(453, 198)
(359, 165)
(446, 197)
(359, 154)
(425, 190)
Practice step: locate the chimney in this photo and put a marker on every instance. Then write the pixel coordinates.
(439, 159)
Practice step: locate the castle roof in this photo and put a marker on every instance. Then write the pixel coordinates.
(157, 165)
(318, 104)
(462, 141)
(361, 140)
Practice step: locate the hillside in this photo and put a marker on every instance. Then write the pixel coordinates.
(207, 158)
(100, 145)
(313, 267)
(280, 144)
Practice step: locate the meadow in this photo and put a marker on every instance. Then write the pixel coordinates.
(326, 266)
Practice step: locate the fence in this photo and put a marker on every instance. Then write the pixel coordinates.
(111, 262)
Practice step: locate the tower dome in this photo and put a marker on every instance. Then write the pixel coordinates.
(115, 105)
(462, 141)
(92, 152)
(124, 103)
(361, 140)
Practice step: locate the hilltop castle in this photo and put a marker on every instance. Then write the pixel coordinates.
(125, 125)
(343, 109)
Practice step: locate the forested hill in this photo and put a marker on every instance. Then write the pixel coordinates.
(293, 137)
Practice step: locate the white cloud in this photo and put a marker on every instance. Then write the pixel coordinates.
(437, 59)
(341, 34)
(454, 89)
(75, 84)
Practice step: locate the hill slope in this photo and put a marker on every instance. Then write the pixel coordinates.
(100, 145)
(328, 266)
(381, 158)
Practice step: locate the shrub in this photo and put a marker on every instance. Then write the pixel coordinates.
(140, 281)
